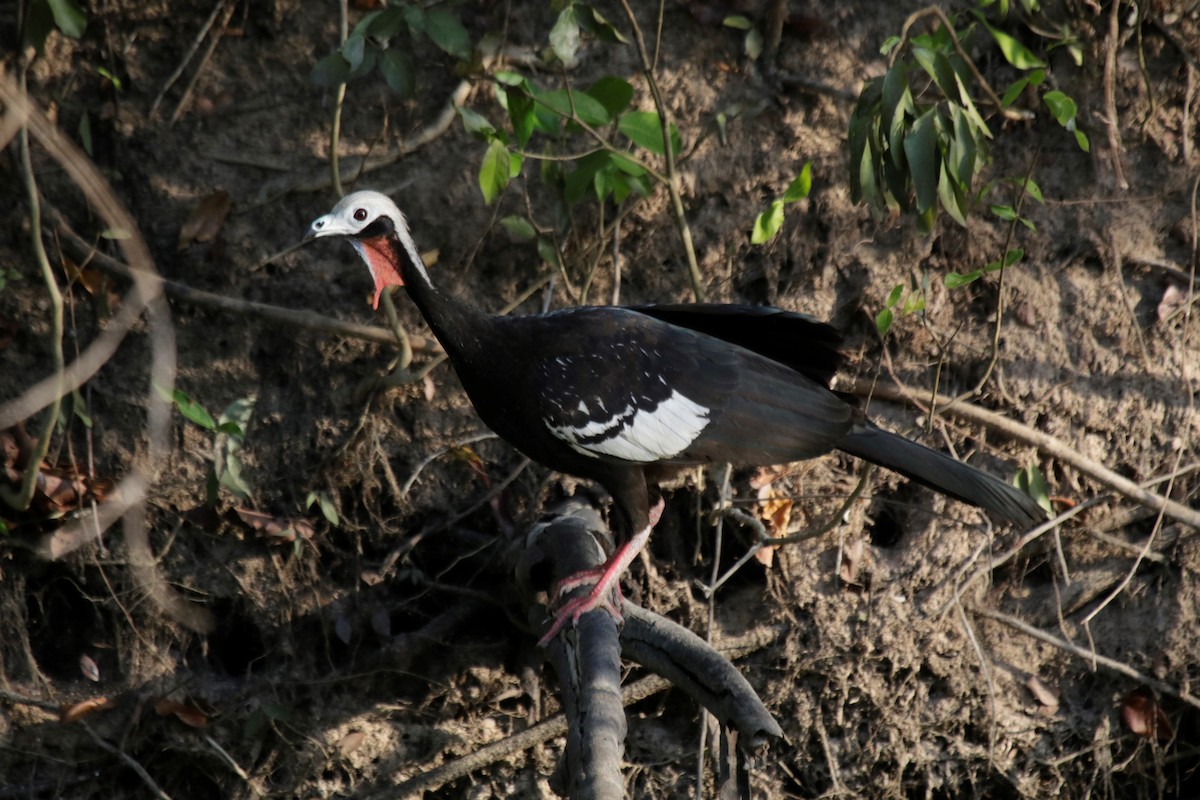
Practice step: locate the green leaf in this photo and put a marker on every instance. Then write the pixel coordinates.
(399, 72)
(894, 295)
(920, 147)
(1005, 213)
(737, 21)
(961, 158)
(564, 36)
(1061, 106)
(1014, 52)
(1031, 481)
(888, 45)
(883, 321)
(575, 104)
(519, 227)
(613, 93)
(954, 279)
(914, 303)
(188, 407)
(1081, 139)
(369, 60)
(522, 112)
(645, 130)
(113, 79)
(237, 414)
(331, 70)
(768, 223)
(475, 123)
(328, 509)
(1014, 91)
(753, 44)
(445, 30)
(495, 171)
(232, 479)
(85, 133)
(387, 24)
(583, 176)
(354, 50)
(950, 195)
(800, 186)
(68, 17)
(595, 23)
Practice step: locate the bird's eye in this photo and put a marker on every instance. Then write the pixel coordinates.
(360, 214)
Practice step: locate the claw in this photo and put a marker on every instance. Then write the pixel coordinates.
(605, 582)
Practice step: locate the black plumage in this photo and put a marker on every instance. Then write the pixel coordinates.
(615, 394)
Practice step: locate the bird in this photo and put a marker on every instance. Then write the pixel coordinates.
(624, 395)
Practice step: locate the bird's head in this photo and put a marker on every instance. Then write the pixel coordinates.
(379, 232)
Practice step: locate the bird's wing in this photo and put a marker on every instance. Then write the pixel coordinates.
(639, 390)
(798, 341)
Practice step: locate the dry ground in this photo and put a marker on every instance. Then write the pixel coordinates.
(885, 684)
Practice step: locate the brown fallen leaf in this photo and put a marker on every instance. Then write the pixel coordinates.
(70, 712)
(351, 742)
(184, 712)
(206, 220)
(1045, 695)
(95, 282)
(1173, 301)
(1143, 716)
(852, 559)
(278, 529)
(89, 669)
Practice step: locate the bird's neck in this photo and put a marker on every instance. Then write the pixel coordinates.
(461, 328)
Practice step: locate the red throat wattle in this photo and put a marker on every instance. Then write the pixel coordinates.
(380, 255)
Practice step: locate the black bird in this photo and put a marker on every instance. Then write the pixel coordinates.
(615, 395)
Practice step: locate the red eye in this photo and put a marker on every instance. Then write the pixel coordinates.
(360, 214)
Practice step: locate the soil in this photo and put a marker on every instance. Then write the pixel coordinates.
(335, 664)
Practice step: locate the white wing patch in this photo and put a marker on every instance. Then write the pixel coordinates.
(638, 434)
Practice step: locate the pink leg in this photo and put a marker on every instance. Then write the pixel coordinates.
(606, 582)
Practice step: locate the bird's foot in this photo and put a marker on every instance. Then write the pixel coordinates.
(605, 582)
(601, 595)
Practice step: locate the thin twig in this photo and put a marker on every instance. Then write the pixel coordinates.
(1046, 444)
(187, 57)
(309, 320)
(672, 183)
(128, 760)
(212, 47)
(1087, 655)
(21, 499)
(1111, 119)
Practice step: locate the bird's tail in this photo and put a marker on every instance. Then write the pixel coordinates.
(941, 473)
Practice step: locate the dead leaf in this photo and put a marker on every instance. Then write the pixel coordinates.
(186, 713)
(1142, 715)
(206, 220)
(1045, 695)
(70, 712)
(351, 742)
(1173, 301)
(774, 509)
(279, 530)
(89, 669)
(95, 282)
(852, 560)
